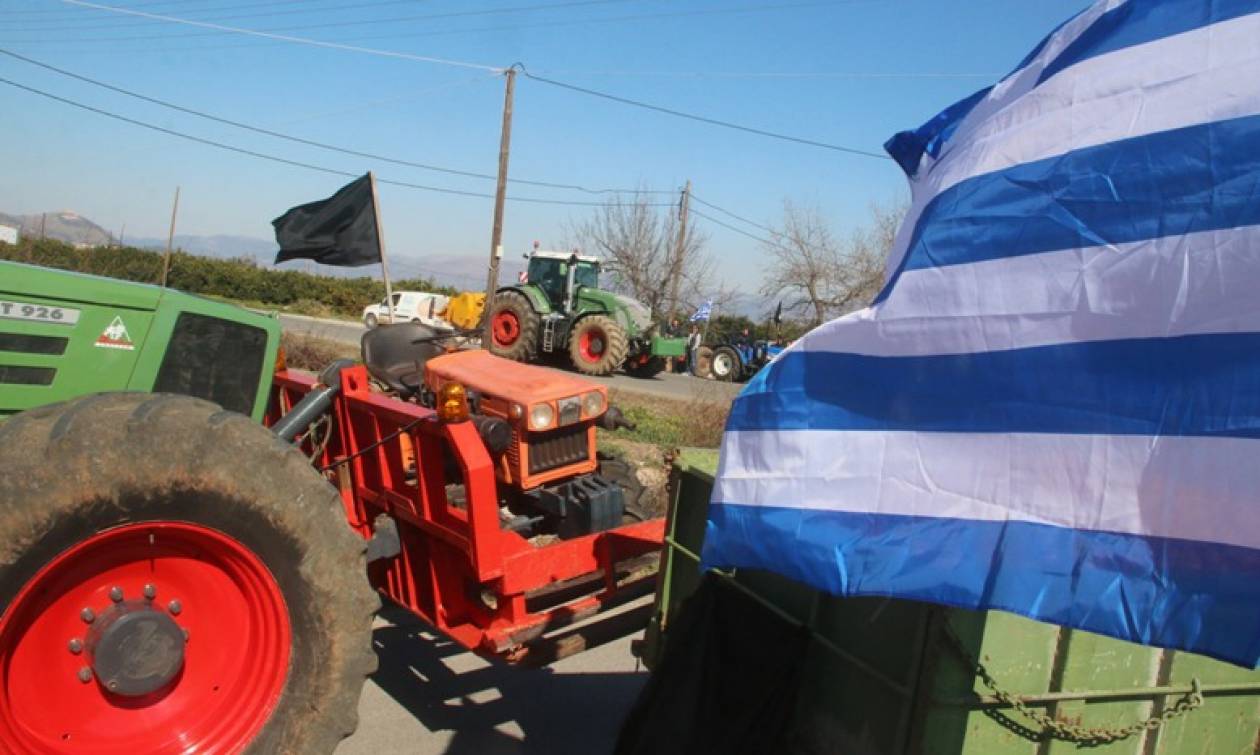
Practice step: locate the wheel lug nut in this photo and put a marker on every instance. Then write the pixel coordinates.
(87, 615)
(76, 646)
(116, 594)
(113, 684)
(150, 592)
(185, 634)
(175, 607)
(85, 674)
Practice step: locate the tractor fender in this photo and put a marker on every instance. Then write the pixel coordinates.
(537, 299)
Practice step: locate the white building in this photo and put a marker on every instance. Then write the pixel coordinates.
(8, 234)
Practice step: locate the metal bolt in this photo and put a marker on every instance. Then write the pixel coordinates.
(185, 634)
(85, 674)
(116, 594)
(87, 615)
(150, 592)
(175, 607)
(113, 684)
(76, 646)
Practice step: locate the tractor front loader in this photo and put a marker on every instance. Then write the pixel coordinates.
(175, 576)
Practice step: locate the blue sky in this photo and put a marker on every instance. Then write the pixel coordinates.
(846, 73)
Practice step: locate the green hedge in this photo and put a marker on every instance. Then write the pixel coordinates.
(240, 279)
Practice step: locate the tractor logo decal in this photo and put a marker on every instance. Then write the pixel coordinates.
(116, 337)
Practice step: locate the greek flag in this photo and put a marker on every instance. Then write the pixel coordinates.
(1053, 408)
(702, 312)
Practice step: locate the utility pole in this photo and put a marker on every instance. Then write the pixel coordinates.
(43, 221)
(675, 273)
(500, 193)
(121, 234)
(170, 240)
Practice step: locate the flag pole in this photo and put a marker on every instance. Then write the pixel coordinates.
(380, 243)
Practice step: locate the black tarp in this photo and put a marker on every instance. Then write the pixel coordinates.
(340, 230)
(726, 684)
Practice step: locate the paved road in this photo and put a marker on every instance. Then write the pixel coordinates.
(665, 385)
(429, 698)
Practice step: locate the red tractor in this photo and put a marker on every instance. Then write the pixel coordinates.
(180, 578)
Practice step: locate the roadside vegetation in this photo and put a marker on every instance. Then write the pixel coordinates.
(240, 280)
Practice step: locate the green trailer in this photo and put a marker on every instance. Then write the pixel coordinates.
(897, 677)
(65, 334)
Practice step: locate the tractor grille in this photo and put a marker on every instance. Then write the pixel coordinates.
(557, 448)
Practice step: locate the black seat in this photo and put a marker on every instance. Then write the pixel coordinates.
(395, 354)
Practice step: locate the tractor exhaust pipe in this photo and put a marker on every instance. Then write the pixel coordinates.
(314, 404)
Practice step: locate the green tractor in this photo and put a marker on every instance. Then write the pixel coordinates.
(561, 308)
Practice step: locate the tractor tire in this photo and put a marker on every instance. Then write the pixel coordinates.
(649, 369)
(370, 321)
(622, 473)
(174, 579)
(725, 364)
(704, 362)
(597, 345)
(514, 327)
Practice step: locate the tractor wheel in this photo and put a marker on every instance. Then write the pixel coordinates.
(622, 473)
(649, 369)
(370, 321)
(597, 345)
(514, 327)
(174, 579)
(704, 362)
(725, 364)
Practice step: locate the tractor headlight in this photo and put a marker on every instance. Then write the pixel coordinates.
(517, 411)
(541, 416)
(593, 403)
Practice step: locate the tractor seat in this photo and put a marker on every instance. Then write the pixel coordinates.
(396, 354)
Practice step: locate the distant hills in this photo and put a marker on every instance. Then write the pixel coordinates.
(64, 226)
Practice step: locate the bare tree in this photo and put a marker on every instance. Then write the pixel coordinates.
(820, 276)
(638, 244)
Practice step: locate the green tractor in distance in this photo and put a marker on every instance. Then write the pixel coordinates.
(560, 307)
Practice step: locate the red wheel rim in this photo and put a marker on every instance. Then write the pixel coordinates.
(591, 344)
(506, 328)
(235, 660)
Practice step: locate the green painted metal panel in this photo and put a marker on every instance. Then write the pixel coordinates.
(537, 299)
(669, 347)
(882, 677)
(118, 337)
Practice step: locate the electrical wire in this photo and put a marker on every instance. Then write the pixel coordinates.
(287, 38)
(701, 118)
(728, 213)
(730, 227)
(321, 25)
(298, 163)
(310, 142)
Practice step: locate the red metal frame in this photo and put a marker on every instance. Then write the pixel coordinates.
(488, 588)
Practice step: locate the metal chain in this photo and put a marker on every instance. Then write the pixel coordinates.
(1063, 730)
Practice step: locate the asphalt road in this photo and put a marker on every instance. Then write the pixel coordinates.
(431, 698)
(664, 385)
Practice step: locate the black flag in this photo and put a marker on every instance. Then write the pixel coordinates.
(778, 313)
(340, 230)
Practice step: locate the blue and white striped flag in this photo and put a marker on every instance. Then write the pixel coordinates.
(1053, 408)
(702, 312)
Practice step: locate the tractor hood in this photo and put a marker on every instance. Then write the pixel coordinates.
(638, 314)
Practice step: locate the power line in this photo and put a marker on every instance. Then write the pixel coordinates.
(322, 25)
(311, 142)
(286, 38)
(703, 119)
(728, 213)
(731, 227)
(298, 163)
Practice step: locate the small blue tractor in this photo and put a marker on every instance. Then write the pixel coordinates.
(734, 361)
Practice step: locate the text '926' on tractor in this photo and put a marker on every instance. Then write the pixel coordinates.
(560, 309)
(197, 538)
